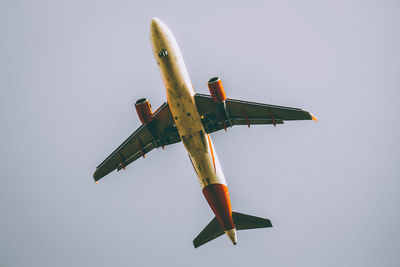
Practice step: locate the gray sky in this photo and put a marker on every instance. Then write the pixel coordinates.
(70, 72)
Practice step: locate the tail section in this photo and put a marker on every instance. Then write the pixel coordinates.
(241, 221)
(232, 235)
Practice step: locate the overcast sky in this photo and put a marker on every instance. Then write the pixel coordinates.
(70, 72)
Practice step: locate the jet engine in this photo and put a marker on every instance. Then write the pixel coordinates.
(143, 109)
(216, 89)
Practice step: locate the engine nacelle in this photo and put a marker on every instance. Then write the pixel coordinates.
(143, 109)
(216, 89)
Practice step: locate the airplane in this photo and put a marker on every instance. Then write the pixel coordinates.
(191, 117)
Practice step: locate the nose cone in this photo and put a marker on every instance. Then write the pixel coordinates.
(232, 235)
(157, 26)
(155, 22)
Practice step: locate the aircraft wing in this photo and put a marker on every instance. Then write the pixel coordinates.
(218, 116)
(160, 132)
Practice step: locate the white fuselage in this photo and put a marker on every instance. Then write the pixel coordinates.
(180, 95)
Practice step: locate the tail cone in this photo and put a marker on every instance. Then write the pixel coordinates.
(232, 235)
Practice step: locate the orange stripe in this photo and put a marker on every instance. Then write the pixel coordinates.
(212, 152)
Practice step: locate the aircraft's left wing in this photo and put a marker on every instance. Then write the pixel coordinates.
(160, 132)
(218, 116)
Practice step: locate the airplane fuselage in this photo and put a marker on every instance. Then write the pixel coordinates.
(180, 96)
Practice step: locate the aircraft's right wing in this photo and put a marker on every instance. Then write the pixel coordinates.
(217, 116)
(160, 132)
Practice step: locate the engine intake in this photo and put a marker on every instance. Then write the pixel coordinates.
(216, 89)
(143, 109)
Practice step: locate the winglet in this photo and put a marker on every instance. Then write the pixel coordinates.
(313, 117)
(96, 175)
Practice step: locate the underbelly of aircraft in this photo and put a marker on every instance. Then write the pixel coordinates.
(196, 141)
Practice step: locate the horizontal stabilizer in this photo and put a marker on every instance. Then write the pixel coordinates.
(241, 221)
(212, 231)
(244, 221)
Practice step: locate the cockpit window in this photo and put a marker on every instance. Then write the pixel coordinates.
(162, 53)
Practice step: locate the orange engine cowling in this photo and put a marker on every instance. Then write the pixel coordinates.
(216, 89)
(143, 109)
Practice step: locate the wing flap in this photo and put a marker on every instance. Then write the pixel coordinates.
(138, 154)
(131, 149)
(240, 108)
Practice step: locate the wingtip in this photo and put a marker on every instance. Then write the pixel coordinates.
(313, 117)
(95, 177)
